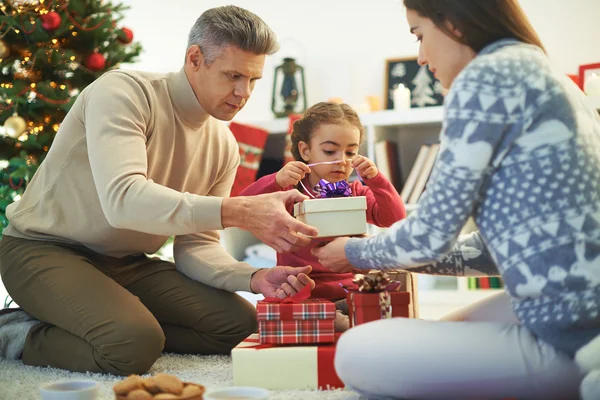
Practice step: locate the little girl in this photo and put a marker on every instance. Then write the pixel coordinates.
(330, 132)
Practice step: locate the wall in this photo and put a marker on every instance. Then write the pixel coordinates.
(343, 44)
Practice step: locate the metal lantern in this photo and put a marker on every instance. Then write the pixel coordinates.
(286, 91)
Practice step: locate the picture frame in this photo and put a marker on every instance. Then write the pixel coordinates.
(585, 71)
(425, 89)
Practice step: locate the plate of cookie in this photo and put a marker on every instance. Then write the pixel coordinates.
(157, 387)
(237, 392)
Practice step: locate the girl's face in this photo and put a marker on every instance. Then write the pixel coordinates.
(331, 142)
(445, 56)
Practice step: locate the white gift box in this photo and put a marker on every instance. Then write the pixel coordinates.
(338, 216)
(282, 367)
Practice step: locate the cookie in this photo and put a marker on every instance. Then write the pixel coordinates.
(168, 383)
(130, 383)
(139, 394)
(150, 385)
(192, 390)
(165, 396)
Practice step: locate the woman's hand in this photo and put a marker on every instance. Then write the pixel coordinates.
(333, 256)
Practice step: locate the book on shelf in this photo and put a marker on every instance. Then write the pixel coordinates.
(411, 179)
(423, 173)
(386, 159)
(485, 282)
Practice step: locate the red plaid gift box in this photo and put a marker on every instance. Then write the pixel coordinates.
(295, 320)
(304, 366)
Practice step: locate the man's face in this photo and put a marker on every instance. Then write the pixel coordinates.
(224, 87)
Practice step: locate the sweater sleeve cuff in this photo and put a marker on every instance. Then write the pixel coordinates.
(375, 180)
(207, 213)
(353, 249)
(240, 279)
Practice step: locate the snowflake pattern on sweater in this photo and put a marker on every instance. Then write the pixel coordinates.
(520, 152)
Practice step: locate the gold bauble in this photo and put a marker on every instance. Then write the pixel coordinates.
(4, 49)
(14, 126)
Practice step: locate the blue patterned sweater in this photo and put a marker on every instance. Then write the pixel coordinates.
(520, 152)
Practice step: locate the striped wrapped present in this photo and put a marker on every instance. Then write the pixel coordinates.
(296, 320)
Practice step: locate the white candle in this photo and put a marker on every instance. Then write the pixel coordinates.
(592, 85)
(401, 97)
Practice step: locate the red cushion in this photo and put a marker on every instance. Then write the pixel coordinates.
(251, 141)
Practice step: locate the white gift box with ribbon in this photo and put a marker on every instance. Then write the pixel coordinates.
(338, 216)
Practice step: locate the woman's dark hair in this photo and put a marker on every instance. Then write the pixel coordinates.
(480, 22)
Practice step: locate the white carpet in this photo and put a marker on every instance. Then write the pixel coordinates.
(20, 382)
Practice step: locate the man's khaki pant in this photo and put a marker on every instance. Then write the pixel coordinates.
(115, 315)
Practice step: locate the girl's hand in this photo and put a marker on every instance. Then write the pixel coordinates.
(365, 167)
(291, 173)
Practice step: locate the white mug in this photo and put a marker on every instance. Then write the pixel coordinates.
(237, 392)
(69, 390)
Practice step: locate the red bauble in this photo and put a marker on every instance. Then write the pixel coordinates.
(95, 62)
(125, 35)
(51, 20)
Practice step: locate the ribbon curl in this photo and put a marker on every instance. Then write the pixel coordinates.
(329, 190)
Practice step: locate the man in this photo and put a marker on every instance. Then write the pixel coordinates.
(141, 157)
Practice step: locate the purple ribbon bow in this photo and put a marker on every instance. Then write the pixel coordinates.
(330, 190)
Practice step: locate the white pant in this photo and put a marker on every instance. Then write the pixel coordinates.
(480, 352)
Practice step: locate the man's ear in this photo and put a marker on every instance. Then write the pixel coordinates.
(194, 57)
(304, 150)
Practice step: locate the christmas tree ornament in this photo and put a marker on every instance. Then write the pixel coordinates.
(95, 62)
(24, 4)
(51, 21)
(4, 49)
(14, 126)
(125, 35)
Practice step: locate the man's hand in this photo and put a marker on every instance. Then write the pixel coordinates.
(333, 256)
(281, 281)
(365, 167)
(267, 218)
(291, 174)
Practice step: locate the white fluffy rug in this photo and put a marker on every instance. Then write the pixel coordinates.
(20, 382)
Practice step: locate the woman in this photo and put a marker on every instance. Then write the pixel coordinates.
(520, 152)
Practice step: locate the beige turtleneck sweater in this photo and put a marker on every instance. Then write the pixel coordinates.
(135, 161)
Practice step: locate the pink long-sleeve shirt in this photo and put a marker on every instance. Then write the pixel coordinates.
(384, 207)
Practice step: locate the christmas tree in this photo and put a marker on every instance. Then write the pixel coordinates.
(422, 94)
(50, 50)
